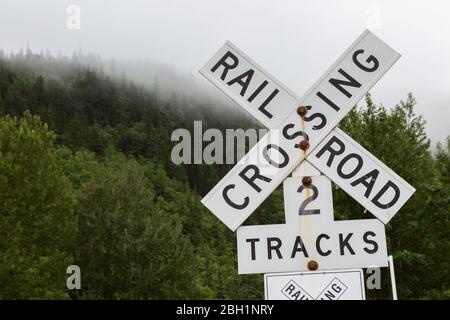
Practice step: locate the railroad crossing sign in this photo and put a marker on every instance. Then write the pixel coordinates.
(277, 154)
(303, 135)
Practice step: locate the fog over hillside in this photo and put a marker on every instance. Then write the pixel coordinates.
(167, 82)
(170, 84)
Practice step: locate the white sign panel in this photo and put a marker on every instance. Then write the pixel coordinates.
(250, 86)
(323, 285)
(361, 175)
(335, 245)
(269, 162)
(314, 201)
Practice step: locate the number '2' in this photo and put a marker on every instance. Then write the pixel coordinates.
(302, 211)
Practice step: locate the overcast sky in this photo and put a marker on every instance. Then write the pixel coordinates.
(296, 41)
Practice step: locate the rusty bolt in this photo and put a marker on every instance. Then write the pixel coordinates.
(304, 145)
(313, 265)
(306, 181)
(301, 111)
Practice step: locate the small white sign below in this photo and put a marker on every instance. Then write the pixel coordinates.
(320, 285)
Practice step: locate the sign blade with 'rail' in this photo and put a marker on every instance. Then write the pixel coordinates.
(269, 162)
(250, 86)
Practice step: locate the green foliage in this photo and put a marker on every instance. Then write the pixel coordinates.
(108, 198)
(128, 245)
(37, 224)
(418, 235)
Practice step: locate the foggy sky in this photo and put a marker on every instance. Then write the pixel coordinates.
(296, 41)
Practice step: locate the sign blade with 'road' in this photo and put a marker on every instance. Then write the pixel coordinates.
(361, 175)
(269, 162)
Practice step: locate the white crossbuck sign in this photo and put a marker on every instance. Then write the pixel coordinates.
(244, 188)
(294, 137)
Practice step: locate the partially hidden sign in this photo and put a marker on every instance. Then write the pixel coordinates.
(323, 285)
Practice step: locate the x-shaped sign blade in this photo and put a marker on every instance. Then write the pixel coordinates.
(277, 154)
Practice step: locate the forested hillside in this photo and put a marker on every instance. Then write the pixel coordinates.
(86, 178)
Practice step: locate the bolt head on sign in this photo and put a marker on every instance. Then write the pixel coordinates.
(291, 139)
(313, 265)
(301, 111)
(304, 145)
(306, 181)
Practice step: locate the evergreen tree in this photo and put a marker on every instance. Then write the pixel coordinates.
(37, 224)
